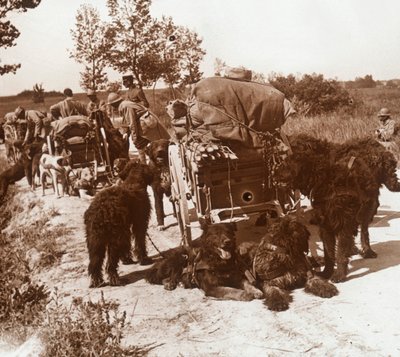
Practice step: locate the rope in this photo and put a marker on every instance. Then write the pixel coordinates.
(155, 247)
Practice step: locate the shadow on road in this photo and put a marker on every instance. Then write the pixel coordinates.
(388, 256)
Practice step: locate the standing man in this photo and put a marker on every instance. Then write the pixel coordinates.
(34, 121)
(95, 103)
(131, 124)
(134, 94)
(68, 107)
(386, 130)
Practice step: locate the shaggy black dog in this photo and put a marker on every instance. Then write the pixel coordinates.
(280, 264)
(22, 168)
(340, 190)
(161, 185)
(382, 166)
(114, 214)
(212, 266)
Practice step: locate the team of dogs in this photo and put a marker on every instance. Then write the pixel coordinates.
(341, 181)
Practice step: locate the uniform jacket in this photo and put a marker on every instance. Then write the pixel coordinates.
(68, 107)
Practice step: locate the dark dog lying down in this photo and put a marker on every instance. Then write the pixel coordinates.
(280, 265)
(212, 267)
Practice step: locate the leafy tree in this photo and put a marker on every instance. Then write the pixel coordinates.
(91, 47)
(151, 49)
(134, 39)
(362, 82)
(8, 32)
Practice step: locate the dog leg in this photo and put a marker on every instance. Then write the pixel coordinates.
(140, 244)
(96, 258)
(276, 299)
(126, 258)
(113, 255)
(344, 243)
(228, 293)
(320, 287)
(159, 207)
(328, 240)
(251, 289)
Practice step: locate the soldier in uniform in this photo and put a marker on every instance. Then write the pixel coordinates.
(134, 94)
(386, 131)
(34, 120)
(68, 107)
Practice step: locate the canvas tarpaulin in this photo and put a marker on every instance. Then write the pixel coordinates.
(235, 111)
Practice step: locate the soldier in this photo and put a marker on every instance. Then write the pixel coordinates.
(95, 103)
(386, 130)
(68, 107)
(34, 120)
(134, 93)
(131, 124)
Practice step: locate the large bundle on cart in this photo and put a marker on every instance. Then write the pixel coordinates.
(241, 114)
(228, 150)
(74, 134)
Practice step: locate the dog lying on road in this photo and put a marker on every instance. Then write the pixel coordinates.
(279, 264)
(211, 266)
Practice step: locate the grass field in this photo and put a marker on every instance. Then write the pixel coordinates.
(339, 126)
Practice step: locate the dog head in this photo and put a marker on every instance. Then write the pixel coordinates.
(158, 152)
(119, 165)
(290, 234)
(176, 109)
(136, 175)
(220, 238)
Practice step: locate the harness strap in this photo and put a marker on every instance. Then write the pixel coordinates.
(351, 162)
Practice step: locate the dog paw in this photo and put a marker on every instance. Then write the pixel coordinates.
(338, 277)
(277, 305)
(161, 228)
(127, 261)
(97, 283)
(321, 288)
(368, 253)
(169, 284)
(258, 294)
(146, 261)
(115, 280)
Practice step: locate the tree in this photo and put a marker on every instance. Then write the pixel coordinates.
(91, 46)
(8, 32)
(38, 93)
(151, 49)
(182, 54)
(134, 39)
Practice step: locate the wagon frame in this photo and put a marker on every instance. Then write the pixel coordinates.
(223, 191)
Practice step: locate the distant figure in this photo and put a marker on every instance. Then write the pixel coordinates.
(386, 130)
(34, 121)
(68, 107)
(134, 93)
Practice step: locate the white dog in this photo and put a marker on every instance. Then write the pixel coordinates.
(51, 166)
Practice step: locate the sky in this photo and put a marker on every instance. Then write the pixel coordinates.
(340, 39)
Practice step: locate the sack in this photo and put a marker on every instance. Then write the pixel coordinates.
(147, 121)
(238, 73)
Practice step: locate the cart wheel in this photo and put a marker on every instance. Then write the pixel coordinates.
(178, 194)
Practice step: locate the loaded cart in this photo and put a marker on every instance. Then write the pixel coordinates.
(221, 168)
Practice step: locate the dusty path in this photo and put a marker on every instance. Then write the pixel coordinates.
(362, 321)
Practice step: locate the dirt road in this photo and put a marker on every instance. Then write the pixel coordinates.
(364, 320)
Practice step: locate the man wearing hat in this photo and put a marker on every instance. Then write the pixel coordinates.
(34, 121)
(131, 124)
(94, 103)
(68, 107)
(386, 130)
(134, 93)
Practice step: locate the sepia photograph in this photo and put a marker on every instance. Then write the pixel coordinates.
(215, 178)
